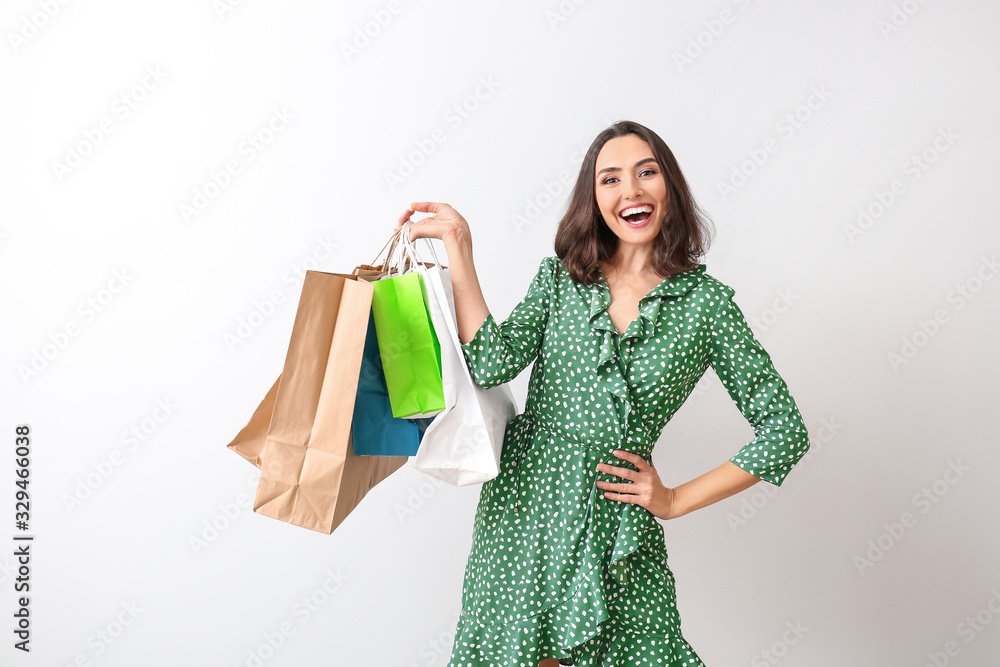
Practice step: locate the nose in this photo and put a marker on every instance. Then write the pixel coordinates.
(633, 188)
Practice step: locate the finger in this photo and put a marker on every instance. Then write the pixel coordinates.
(427, 206)
(404, 217)
(624, 473)
(424, 228)
(620, 488)
(639, 462)
(414, 231)
(619, 496)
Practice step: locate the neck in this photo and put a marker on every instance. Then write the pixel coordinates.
(632, 262)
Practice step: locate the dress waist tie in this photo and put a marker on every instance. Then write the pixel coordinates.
(618, 567)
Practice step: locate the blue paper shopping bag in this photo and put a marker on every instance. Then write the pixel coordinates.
(375, 431)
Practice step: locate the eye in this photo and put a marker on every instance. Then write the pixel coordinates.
(651, 171)
(609, 178)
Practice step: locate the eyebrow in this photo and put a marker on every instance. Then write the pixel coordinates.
(640, 162)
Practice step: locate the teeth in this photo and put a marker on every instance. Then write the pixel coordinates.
(637, 209)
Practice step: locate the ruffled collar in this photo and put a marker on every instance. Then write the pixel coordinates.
(610, 372)
(649, 305)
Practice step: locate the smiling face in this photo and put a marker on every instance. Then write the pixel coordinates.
(630, 189)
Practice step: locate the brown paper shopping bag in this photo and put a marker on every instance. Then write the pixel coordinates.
(361, 473)
(309, 475)
(249, 442)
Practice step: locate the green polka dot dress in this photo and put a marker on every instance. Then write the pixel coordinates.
(557, 570)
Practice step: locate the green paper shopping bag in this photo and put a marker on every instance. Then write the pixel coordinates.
(408, 345)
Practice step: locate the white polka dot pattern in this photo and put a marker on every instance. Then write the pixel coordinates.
(556, 570)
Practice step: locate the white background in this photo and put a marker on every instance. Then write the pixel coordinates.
(834, 300)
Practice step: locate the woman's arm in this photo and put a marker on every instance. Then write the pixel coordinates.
(470, 304)
(449, 226)
(496, 352)
(715, 485)
(747, 372)
(645, 489)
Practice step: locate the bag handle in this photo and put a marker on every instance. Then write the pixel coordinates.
(392, 244)
(398, 262)
(411, 247)
(406, 249)
(405, 260)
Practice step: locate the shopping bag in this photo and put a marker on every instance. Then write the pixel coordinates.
(372, 272)
(249, 442)
(309, 474)
(374, 430)
(463, 444)
(408, 345)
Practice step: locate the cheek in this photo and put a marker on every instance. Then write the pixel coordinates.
(606, 207)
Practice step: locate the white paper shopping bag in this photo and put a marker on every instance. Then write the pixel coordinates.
(462, 446)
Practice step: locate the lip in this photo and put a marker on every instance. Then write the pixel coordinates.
(641, 224)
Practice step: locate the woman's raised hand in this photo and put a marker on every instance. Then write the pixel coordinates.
(446, 223)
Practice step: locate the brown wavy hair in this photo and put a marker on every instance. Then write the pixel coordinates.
(583, 238)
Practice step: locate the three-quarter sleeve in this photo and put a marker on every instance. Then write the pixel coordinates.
(499, 352)
(747, 373)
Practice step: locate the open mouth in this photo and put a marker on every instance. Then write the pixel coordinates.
(637, 215)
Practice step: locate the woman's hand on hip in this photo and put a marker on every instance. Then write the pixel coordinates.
(644, 487)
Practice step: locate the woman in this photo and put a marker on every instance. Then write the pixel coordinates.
(568, 564)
